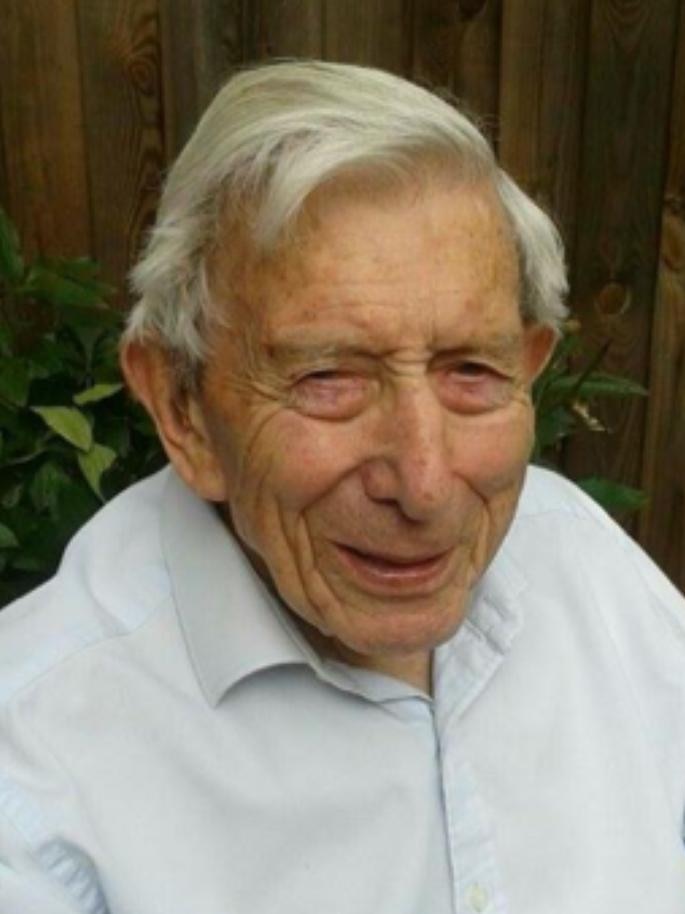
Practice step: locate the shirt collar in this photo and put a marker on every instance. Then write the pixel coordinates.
(231, 623)
(464, 665)
(234, 626)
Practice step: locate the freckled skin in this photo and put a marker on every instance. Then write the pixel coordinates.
(402, 445)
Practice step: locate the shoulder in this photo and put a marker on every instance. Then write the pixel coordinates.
(591, 584)
(111, 579)
(588, 568)
(578, 534)
(545, 492)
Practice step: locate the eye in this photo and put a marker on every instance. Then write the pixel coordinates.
(330, 394)
(474, 387)
(325, 376)
(473, 370)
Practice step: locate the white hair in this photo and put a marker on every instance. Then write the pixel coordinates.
(273, 135)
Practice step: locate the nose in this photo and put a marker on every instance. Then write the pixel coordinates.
(411, 463)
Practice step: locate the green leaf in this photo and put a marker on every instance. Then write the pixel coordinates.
(49, 357)
(76, 504)
(98, 392)
(81, 269)
(106, 355)
(7, 538)
(94, 463)
(27, 456)
(93, 318)
(40, 549)
(88, 337)
(614, 496)
(15, 380)
(551, 427)
(11, 496)
(9, 419)
(81, 303)
(11, 262)
(25, 438)
(142, 422)
(113, 430)
(27, 561)
(44, 283)
(69, 423)
(597, 384)
(46, 485)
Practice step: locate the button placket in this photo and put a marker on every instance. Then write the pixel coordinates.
(476, 881)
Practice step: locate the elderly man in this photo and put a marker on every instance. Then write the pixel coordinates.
(345, 654)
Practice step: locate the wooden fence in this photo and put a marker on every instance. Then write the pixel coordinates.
(584, 99)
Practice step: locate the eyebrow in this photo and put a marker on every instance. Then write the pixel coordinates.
(496, 344)
(286, 350)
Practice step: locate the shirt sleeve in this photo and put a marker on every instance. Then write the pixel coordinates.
(23, 893)
(40, 870)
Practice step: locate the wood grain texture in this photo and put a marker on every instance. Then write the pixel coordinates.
(203, 41)
(662, 524)
(374, 32)
(120, 61)
(542, 72)
(4, 189)
(45, 188)
(621, 184)
(456, 45)
(284, 28)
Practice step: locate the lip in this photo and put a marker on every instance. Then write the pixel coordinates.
(385, 573)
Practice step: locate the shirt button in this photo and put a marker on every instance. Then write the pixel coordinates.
(477, 898)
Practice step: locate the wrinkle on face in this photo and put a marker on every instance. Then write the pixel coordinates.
(397, 294)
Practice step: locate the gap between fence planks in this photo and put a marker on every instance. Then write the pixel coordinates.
(662, 524)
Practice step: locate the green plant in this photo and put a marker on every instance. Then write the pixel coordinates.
(70, 437)
(565, 401)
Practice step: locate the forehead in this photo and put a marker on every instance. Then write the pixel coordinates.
(386, 265)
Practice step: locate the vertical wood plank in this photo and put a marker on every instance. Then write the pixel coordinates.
(622, 175)
(4, 188)
(542, 72)
(285, 28)
(456, 44)
(120, 55)
(374, 32)
(203, 41)
(662, 524)
(42, 120)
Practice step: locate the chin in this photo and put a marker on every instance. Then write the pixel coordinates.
(408, 634)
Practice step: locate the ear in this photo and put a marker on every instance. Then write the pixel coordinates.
(539, 342)
(178, 417)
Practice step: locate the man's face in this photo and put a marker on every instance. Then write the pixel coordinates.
(369, 412)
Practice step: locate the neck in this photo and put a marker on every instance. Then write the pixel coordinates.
(414, 669)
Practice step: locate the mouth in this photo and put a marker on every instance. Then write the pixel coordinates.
(412, 575)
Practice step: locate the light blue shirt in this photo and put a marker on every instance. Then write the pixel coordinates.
(170, 743)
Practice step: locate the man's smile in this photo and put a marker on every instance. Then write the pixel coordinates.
(383, 571)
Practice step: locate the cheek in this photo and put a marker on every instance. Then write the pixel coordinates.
(315, 459)
(294, 465)
(294, 462)
(491, 451)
